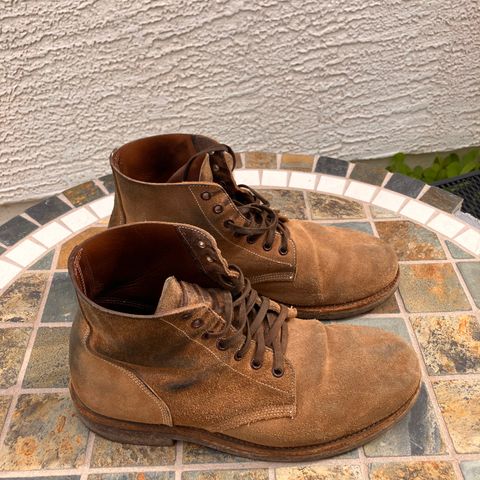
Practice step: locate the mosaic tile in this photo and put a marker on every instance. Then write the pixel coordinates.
(319, 472)
(48, 477)
(260, 160)
(416, 434)
(193, 453)
(417, 211)
(8, 271)
(471, 274)
(456, 251)
(333, 185)
(450, 343)
(133, 476)
(83, 193)
(108, 182)
(388, 200)
(289, 203)
(402, 184)
(332, 166)
(431, 287)
(48, 365)
(412, 471)
(51, 234)
(25, 252)
(293, 161)
(364, 227)
(61, 303)
(255, 474)
(103, 207)
(459, 401)
(67, 247)
(361, 191)
(388, 306)
(113, 454)
(2, 250)
(446, 225)
(47, 210)
(470, 470)
(394, 325)
(4, 406)
(45, 263)
(45, 433)
(15, 229)
(325, 207)
(13, 343)
(21, 301)
(410, 241)
(303, 180)
(368, 173)
(442, 199)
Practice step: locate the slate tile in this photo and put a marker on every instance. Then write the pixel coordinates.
(431, 470)
(45, 263)
(470, 470)
(289, 202)
(327, 207)
(388, 306)
(442, 199)
(83, 193)
(13, 344)
(368, 173)
(133, 476)
(5, 401)
(406, 185)
(2, 249)
(432, 287)
(470, 272)
(61, 303)
(193, 453)
(69, 245)
(456, 251)
(48, 365)
(113, 454)
(21, 301)
(319, 472)
(260, 160)
(415, 434)
(459, 401)
(332, 166)
(394, 325)
(450, 343)
(253, 474)
(47, 210)
(15, 229)
(294, 161)
(364, 227)
(379, 212)
(48, 477)
(45, 433)
(410, 241)
(108, 182)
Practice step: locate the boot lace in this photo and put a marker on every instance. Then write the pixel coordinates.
(261, 219)
(253, 319)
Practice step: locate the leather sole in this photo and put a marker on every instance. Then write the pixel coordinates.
(163, 435)
(343, 310)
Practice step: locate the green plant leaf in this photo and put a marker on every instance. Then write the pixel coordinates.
(470, 167)
(470, 156)
(453, 169)
(417, 172)
(441, 174)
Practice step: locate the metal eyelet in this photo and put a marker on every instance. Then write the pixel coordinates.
(221, 345)
(186, 315)
(206, 195)
(282, 251)
(237, 357)
(255, 364)
(205, 335)
(217, 209)
(209, 259)
(197, 323)
(215, 167)
(251, 240)
(201, 244)
(278, 372)
(267, 247)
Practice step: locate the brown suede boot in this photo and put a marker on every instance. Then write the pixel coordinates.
(325, 272)
(173, 344)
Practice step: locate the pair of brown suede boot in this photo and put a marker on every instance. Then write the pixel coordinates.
(188, 328)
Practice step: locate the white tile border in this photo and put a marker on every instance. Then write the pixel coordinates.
(48, 236)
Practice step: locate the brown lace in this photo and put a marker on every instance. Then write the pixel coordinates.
(261, 218)
(250, 314)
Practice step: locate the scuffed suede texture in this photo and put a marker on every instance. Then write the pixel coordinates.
(159, 368)
(324, 266)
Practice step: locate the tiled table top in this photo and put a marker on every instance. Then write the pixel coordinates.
(436, 309)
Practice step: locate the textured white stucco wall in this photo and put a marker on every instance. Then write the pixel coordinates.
(357, 78)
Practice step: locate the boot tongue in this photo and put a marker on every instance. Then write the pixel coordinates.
(208, 168)
(176, 294)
